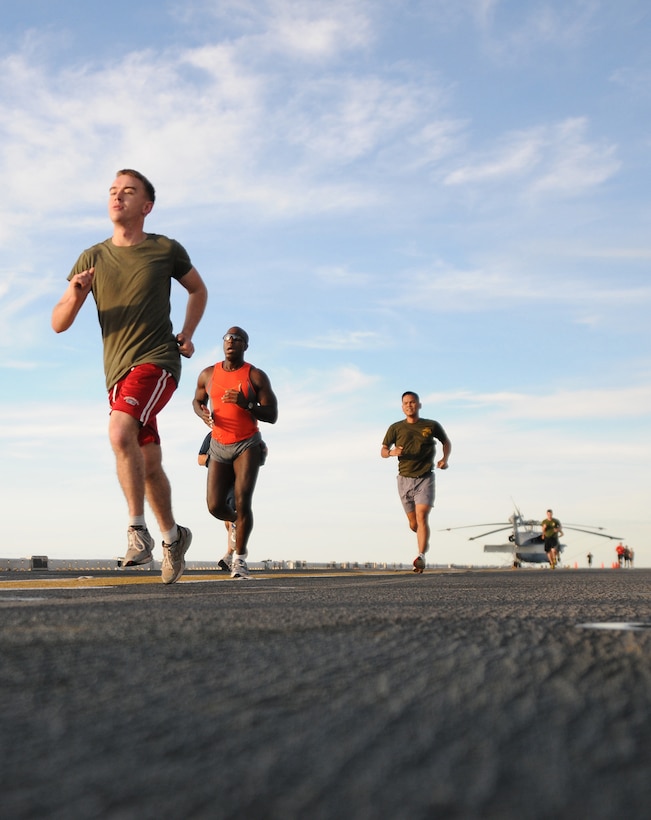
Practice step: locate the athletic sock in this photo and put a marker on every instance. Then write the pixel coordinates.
(171, 536)
(137, 521)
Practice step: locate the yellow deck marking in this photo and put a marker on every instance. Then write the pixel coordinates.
(99, 581)
(154, 578)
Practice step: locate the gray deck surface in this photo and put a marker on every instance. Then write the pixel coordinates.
(459, 694)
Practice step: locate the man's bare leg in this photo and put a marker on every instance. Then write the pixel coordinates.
(423, 530)
(131, 470)
(129, 460)
(419, 523)
(157, 486)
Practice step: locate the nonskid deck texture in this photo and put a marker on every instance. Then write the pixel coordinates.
(347, 695)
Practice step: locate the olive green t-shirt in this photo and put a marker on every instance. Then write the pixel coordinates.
(418, 442)
(131, 288)
(548, 525)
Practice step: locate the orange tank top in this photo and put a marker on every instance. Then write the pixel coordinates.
(231, 423)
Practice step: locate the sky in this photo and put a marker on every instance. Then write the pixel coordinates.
(445, 196)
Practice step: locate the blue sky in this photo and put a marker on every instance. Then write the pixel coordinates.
(447, 197)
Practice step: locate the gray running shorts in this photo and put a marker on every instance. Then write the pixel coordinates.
(414, 491)
(227, 453)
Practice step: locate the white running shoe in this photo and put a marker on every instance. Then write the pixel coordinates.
(174, 556)
(240, 570)
(140, 547)
(226, 563)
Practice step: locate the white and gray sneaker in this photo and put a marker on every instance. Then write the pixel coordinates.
(140, 546)
(233, 535)
(240, 570)
(174, 556)
(226, 563)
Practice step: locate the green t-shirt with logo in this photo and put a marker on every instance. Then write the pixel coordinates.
(418, 440)
(548, 527)
(131, 288)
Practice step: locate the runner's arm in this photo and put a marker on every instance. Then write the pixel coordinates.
(201, 400)
(197, 300)
(266, 408)
(66, 309)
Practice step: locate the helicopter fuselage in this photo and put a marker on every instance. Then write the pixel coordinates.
(525, 542)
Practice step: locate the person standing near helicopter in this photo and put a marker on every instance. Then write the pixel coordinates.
(551, 532)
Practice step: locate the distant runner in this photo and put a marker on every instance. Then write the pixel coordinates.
(413, 442)
(551, 532)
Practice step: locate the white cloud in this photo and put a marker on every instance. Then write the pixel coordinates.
(298, 29)
(341, 276)
(291, 28)
(185, 115)
(632, 401)
(514, 32)
(576, 165)
(20, 293)
(556, 159)
(343, 118)
(636, 80)
(442, 289)
(353, 340)
(515, 281)
(519, 156)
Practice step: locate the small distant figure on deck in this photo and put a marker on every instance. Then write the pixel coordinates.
(624, 555)
(620, 549)
(413, 442)
(551, 532)
(589, 557)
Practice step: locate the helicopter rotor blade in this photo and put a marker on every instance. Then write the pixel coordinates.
(588, 526)
(501, 529)
(470, 526)
(600, 534)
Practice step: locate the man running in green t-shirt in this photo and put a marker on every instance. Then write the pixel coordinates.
(551, 532)
(130, 278)
(412, 441)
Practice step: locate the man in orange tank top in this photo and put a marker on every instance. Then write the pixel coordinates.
(231, 398)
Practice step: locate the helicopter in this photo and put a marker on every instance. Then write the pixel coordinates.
(525, 541)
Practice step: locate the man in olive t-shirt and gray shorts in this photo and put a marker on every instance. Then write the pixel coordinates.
(413, 442)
